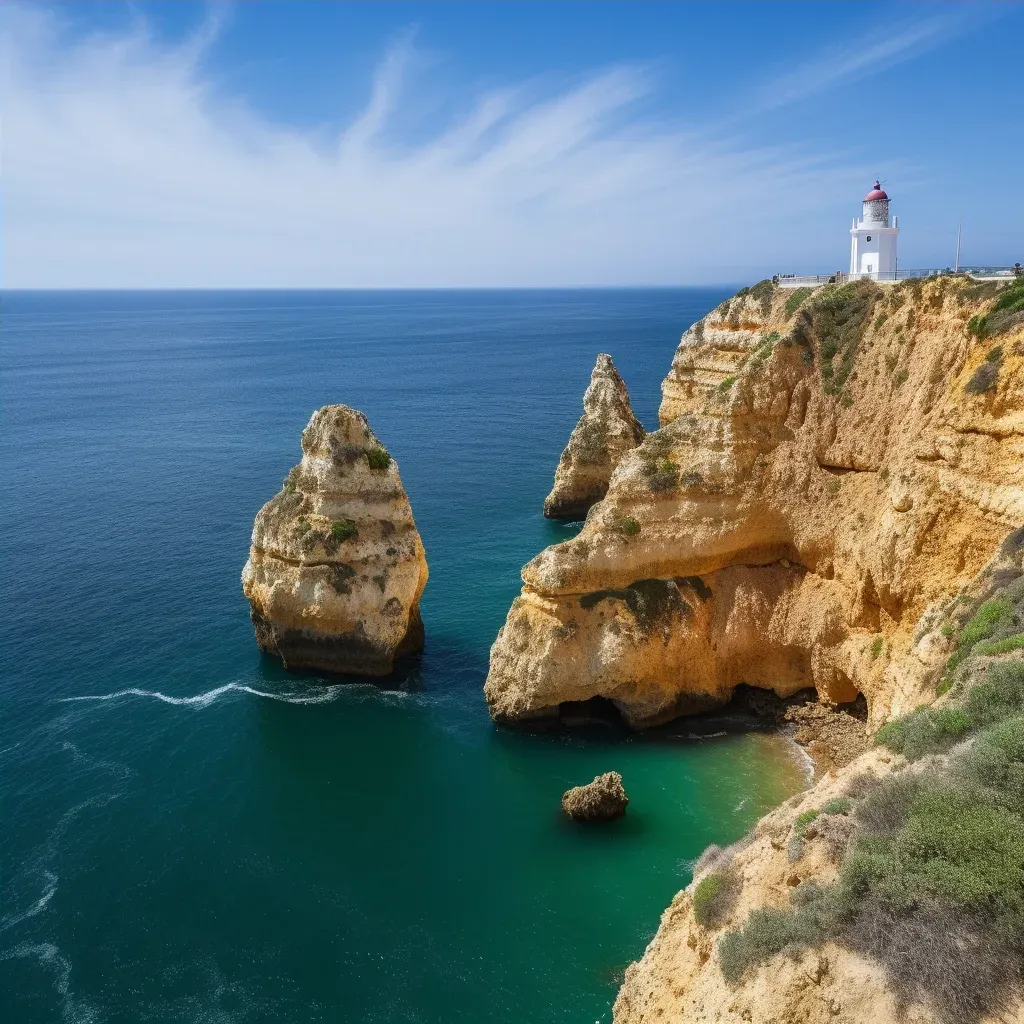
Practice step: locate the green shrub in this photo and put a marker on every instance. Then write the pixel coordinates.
(1004, 646)
(662, 474)
(876, 646)
(900, 378)
(944, 686)
(803, 819)
(378, 458)
(769, 931)
(713, 898)
(976, 326)
(925, 731)
(931, 730)
(763, 292)
(726, 384)
(627, 525)
(880, 320)
(995, 355)
(837, 319)
(343, 529)
(951, 847)
(995, 616)
(796, 299)
(999, 695)
(996, 761)
(838, 805)
(985, 621)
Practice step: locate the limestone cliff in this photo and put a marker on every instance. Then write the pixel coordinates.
(931, 962)
(606, 431)
(336, 567)
(831, 466)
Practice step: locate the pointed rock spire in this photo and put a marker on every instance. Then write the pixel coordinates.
(337, 567)
(606, 431)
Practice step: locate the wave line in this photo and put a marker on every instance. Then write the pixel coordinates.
(203, 700)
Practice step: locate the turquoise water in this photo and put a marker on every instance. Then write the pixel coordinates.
(191, 834)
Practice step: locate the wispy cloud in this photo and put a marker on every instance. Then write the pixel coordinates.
(877, 49)
(124, 165)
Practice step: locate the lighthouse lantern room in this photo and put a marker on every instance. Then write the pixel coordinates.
(873, 239)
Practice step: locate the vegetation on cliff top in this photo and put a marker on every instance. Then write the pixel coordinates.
(931, 884)
(834, 323)
(1006, 313)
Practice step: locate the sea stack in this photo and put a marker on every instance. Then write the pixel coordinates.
(606, 431)
(604, 799)
(336, 567)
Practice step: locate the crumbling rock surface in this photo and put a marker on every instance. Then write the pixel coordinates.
(601, 800)
(336, 567)
(606, 431)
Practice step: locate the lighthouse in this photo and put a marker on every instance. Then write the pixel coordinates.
(873, 239)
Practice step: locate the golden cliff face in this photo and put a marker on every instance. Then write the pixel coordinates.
(606, 431)
(681, 975)
(336, 567)
(831, 468)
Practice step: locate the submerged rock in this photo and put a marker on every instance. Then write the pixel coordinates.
(600, 800)
(336, 567)
(606, 431)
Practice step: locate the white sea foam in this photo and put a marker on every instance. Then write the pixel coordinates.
(72, 1010)
(322, 695)
(38, 907)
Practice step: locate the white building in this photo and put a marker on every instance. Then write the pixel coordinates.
(873, 241)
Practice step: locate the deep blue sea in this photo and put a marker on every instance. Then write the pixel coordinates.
(189, 833)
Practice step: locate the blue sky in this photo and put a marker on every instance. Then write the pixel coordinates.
(508, 144)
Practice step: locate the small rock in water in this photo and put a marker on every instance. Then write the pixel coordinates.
(600, 800)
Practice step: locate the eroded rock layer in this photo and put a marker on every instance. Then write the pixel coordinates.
(830, 468)
(853, 972)
(606, 431)
(336, 567)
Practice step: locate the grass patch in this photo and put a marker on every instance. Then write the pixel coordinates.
(662, 474)
(796, 299)
(343, 529)
(626, 525)
(836, 322)
(1006, 313)
(933, 730)
(1004, 646)
(932, 883)
(713, 897)
(803, 820)
(838, 805)
(378, 458)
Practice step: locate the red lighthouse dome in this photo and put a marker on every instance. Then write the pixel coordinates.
(875, 194)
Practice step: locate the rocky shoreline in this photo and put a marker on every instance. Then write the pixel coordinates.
(799, 548)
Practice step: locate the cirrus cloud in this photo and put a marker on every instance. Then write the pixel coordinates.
(126, 166)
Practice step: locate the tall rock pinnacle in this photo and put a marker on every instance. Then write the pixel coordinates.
(606, 431)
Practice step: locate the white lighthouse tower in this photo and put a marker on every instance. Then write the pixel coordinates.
(873, 240)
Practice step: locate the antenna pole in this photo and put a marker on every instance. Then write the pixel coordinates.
(959, 226)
